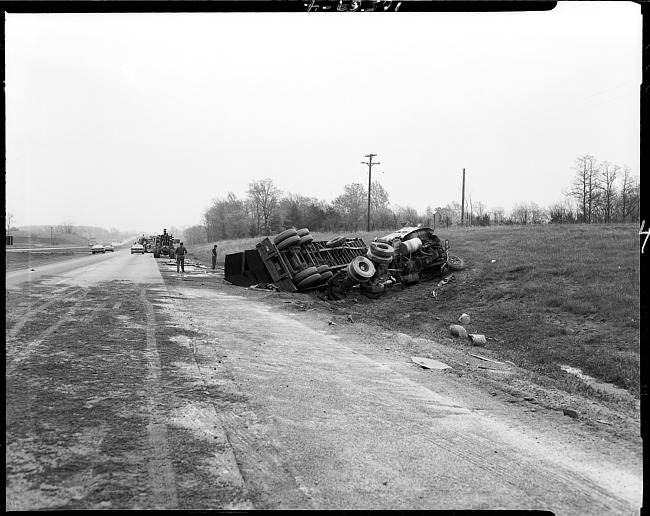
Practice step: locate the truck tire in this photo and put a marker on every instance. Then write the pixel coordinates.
(323, 268)
(284, 235)
(156, 254)
(310, 281)
(382, 250)
(378, 259)
(335, 242)
(292, 240)
(455, 263)
(307, 239)
(304, 274)
(361, 269)
(326, 275)
(303, 232)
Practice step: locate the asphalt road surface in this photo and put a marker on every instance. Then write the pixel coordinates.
(202, 398)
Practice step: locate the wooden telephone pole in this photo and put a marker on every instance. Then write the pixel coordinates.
(370, 164)
(462, 204)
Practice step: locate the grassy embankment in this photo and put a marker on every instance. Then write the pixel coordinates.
(555, 295)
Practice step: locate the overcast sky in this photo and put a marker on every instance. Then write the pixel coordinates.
(139, 121)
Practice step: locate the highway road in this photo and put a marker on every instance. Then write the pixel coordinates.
(130, 386)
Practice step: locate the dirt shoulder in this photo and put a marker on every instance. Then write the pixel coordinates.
(617, 416)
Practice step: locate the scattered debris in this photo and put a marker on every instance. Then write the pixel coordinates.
(493, 261)
(464, 319)
(446, 280)
(511, 363)
(433, 294)
(428, 363)
(603, 422)
(486, 359)
(350, 319)
(332, 323)
(477, 339)
(570, 413)
(457, 331)
(493, 370)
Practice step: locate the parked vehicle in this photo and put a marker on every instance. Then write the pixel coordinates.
(98, 248)
(164, 245)
(137, 247)
(149, 246)
(109, 247)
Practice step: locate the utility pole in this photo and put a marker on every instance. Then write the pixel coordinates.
(462, 204)
(370, 164)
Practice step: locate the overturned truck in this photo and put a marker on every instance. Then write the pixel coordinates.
(294, 261)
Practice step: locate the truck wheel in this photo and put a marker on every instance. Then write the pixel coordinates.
(323, 268)
(312, 280)
(361, 269)
(335, 242)
(455, 263)
(307, 239)
(156, 254)
(284, 235)
(382, 250)
(303, 232)
(379, 259)
(292, 240)
(304, 274)
(326, 275)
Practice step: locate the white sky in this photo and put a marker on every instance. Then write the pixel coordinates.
(139, 121)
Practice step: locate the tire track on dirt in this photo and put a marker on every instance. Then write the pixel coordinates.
(269, 480)
(211, 421)
(528, 473)
(15, 356)
(34, 311)
(159, 464)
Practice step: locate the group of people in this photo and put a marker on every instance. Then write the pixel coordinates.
(181, 251)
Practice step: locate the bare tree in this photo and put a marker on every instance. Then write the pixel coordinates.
(380, 212)
(68, 227)
(407, 215)
(520, 213)
(627, 197)
(498, 214)
(8, 218)
(585, 185)
(264, 196)
(194, 235)
(608, 175)
(468, 213)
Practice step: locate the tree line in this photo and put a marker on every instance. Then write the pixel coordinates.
(600, 192)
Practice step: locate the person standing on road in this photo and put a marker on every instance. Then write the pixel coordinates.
(214, 256)
(181, 251)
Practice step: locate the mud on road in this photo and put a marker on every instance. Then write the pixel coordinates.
(111, 405)
(90, 387)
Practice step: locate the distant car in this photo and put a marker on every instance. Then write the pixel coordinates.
(109, 247)
(98, 248)
(137, 248)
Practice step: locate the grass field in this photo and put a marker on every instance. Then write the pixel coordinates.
(555, 295)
